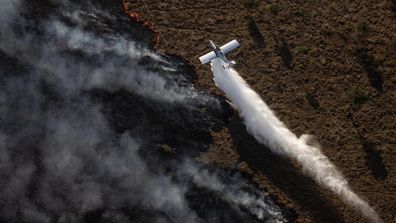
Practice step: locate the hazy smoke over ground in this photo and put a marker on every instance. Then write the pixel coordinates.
(236, 192)
(262, 123)
(82, 108)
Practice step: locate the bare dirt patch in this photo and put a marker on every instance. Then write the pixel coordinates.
(303, 58)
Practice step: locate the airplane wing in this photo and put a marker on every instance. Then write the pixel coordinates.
(229, 46)
(207, 57)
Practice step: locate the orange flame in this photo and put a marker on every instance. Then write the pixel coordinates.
(148, 24)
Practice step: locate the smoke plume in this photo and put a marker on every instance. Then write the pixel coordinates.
(83, 106)
(262, 123)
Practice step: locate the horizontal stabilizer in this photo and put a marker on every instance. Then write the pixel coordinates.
(229, 46)
(207, 57)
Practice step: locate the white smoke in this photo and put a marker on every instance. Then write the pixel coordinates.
(8, 8)
(256, 203)
(61, 157)
(115, 55)
(262, 123)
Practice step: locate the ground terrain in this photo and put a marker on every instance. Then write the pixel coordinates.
(327, 68)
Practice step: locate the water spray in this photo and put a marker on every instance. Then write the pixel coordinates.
(262, 123)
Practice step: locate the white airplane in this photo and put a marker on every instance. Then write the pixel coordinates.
(220, 52)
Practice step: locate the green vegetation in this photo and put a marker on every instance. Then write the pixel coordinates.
(299, 13)
(302, 65)
(274, 8)
(393, 80)
(357, 96)
(250, 4)
(363, 27)
(301, 49)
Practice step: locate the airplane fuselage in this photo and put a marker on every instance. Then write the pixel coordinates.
(216, 49)
(219, 53)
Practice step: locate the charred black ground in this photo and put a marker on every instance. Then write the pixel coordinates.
(116, 148)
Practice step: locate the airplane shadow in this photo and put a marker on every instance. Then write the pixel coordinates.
(255, 33)
(283, 50)
(374, 160)
(369, 63)
(283, 174)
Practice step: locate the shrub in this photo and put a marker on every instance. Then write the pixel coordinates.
(363, 27)
(301, 49)
(249, 4)
(357, 96)
(299, 13)
(273, 8)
